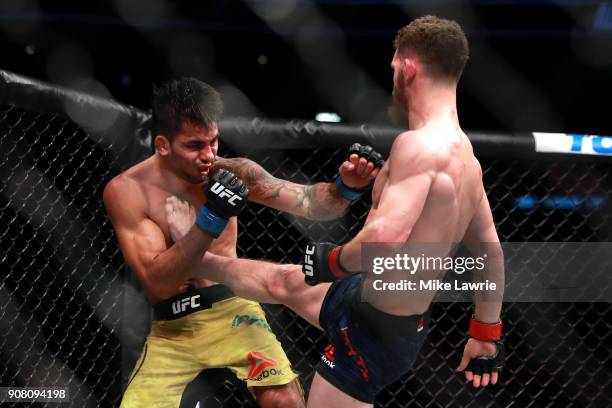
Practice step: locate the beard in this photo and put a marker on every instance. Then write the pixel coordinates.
(398, 111)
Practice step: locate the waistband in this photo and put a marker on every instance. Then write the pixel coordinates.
(192, 301)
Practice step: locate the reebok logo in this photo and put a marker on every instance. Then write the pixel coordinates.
(308, 262)
(185, 303)
(258, 363)
(219, 190)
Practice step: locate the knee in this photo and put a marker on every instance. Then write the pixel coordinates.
(283, 283)
(285, 396)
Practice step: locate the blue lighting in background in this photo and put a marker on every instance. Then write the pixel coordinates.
(603, 17)
(561, 202)
(526, 202)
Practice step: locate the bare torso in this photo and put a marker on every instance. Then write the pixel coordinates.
(153, 188)
(442, 154)
(137, 206)
(456, 187)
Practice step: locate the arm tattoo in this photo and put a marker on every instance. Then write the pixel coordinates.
(325, 202)
(319, 201)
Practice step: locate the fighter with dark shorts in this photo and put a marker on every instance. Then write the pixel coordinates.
(368, 348)
(429, 191)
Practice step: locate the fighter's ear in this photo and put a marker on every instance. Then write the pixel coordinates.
(409, 68)
(162, 145)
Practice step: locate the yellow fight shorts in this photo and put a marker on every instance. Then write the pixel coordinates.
(205, 328)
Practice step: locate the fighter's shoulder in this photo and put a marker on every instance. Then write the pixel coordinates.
(123, 190)
(413, 148)
(122, 183)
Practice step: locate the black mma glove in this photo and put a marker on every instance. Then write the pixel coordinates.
(488, 364)
(487, 332)
(321, 263)
(368, 153)
(226, 196)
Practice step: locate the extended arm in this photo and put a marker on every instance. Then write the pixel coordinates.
(320, 201)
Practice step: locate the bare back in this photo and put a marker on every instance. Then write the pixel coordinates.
(429, 191)
(455, 190)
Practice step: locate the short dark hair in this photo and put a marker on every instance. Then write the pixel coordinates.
(440, 44)
(184, 99)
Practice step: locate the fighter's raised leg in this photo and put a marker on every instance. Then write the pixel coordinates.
(267, 282)
(261, 281)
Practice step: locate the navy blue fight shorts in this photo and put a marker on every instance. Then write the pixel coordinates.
(369, 349)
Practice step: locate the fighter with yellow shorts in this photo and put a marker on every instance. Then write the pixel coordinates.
(199, 324)
(205, 328)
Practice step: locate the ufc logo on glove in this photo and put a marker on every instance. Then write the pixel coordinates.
(222, 192)
(308, 262)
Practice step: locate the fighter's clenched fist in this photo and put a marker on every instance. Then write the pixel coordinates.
(226, 197)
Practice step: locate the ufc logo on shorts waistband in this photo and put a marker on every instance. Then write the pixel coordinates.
(222, 192)
(183, 304)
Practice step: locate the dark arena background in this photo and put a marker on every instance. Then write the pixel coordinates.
(75, 83)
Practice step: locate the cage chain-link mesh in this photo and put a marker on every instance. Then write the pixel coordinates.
(61, 268)
(60, 296)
